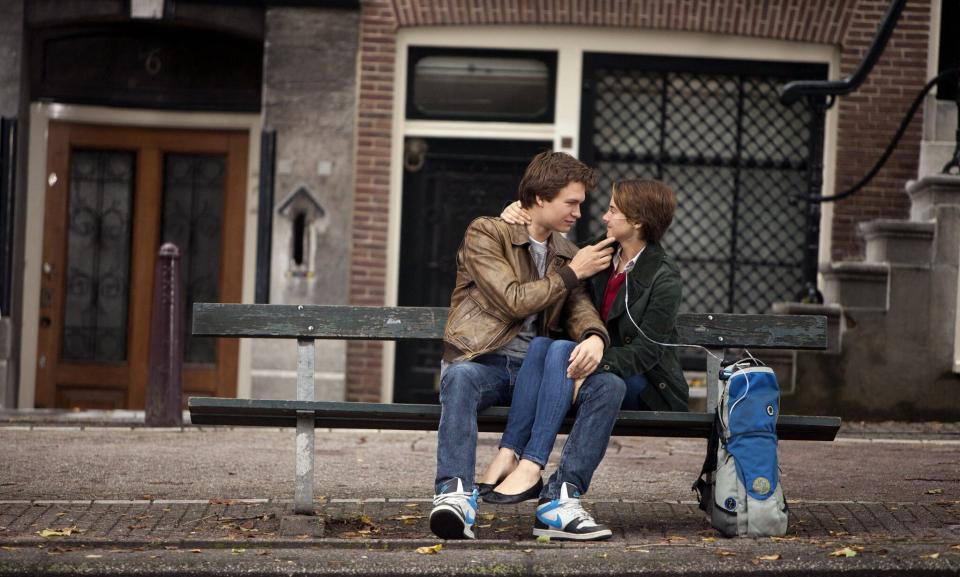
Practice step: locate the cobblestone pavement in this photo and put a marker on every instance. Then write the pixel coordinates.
(186, 501)
(179, 521)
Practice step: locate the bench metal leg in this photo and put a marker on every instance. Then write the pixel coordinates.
(303, 490)
(713, 380)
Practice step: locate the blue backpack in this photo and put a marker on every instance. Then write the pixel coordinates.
(739, 484)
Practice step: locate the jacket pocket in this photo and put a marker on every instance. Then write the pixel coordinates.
(474, 328)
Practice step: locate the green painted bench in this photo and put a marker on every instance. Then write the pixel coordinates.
(306, 323)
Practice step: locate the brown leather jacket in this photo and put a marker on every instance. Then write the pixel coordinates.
(498, 287)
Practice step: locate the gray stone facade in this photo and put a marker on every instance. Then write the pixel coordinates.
(309, 99)
(892, 356)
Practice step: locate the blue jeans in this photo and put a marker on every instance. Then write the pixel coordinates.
(466, 388)
(541, 398)
(471, 386)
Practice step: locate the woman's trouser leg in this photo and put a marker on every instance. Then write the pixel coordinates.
(526, 389)
(553, 403)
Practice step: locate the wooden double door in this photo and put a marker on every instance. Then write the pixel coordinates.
(114, 195)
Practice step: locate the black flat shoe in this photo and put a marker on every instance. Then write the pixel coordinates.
(485, 488)
(498, 498)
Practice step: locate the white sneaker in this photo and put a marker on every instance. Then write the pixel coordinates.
(454, 511)
(565, 518)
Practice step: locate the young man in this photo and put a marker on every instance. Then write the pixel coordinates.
(515, 282)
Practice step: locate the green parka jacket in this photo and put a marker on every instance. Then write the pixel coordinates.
(655, 291)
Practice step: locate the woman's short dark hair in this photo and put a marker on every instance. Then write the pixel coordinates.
(549, 172)
(647, 202)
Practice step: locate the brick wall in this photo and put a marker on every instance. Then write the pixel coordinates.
(867, 119)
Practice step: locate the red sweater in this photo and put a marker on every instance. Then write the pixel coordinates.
(614, 282)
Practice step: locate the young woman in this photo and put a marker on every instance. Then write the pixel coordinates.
(638, 298)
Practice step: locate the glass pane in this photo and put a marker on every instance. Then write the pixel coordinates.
(193, 190)
(98, 256)
(481, 87)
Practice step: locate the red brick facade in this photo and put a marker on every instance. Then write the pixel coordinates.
(867, 119)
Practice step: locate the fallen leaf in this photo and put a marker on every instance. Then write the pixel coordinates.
(430, 550)
(931, 556)
(708, 539)
(528, 550)
(94, 556)
(487, 516)
(774, 557)
(725, 553)
(65, 532)
(845, 552)
(196, 551)
(366, 520)
(957, 546)
(781, 539)
(147, 497)
(934, 492)
(237, 551)
(543, 539)
(5, 548)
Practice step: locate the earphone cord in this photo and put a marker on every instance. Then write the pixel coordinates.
(626, 305)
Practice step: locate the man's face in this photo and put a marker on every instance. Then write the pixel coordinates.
(561, 213)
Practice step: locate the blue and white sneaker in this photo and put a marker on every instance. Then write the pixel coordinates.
(454, 511)
(565, 518)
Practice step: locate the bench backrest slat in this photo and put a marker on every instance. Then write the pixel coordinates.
(410, 323)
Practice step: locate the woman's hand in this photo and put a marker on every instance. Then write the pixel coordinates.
(514, 214)
(585, 358)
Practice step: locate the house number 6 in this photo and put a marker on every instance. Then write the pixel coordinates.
(153, 63)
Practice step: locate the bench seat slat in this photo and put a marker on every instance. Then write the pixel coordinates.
(412, 323)
(275, 413)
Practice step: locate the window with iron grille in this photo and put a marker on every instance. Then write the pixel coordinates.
(716, 132)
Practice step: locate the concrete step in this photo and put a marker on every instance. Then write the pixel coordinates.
(898, 241)
(932, 191)
(857, 285)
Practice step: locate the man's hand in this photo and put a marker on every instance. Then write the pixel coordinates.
(593, 258)
(585, 358)
(515, 214)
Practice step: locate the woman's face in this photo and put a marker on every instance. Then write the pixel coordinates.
(618, 226)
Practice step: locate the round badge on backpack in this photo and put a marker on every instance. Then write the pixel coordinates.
(761, 486)
(730, 504)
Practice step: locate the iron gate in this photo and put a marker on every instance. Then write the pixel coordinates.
(716, 132)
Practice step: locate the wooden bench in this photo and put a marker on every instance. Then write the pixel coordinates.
(306, 323)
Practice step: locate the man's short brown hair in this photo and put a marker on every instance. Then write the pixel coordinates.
(549, 172)
(647, 202)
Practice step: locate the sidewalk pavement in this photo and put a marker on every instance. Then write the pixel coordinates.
(216, 501)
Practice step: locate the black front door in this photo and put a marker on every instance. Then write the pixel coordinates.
(446, 184)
